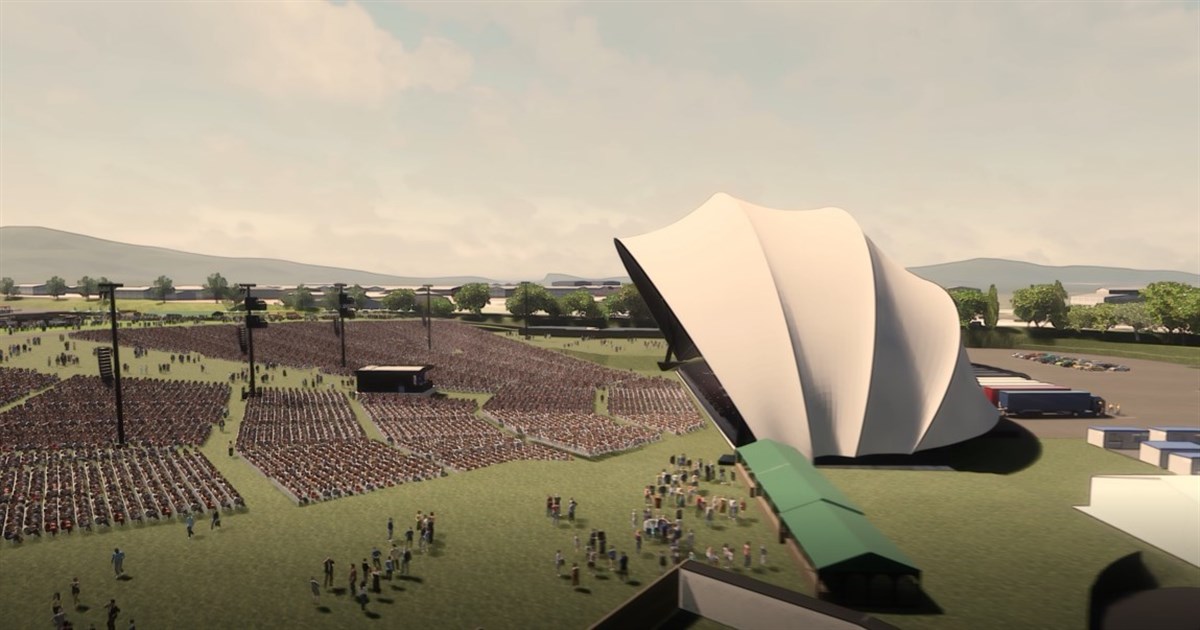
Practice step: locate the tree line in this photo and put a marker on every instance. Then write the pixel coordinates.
(1170, 306)
(528, 298)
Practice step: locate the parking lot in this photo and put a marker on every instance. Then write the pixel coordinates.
(1151, 393)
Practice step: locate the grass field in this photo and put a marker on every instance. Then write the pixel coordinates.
(996, 551)
(1183, 355)
(186, 307)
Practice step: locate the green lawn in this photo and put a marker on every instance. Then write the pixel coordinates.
(492, 566)
(1183, 355)
(996, 551)
(189, 307)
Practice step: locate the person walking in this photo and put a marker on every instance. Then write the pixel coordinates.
(362, 597)
(118, 561)
(375, 558)
(190, 521)
(316, 590)
(216, 519)
(113, 611)
(353, 578)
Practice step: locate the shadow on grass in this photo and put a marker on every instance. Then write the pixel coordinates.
(1123, 578)
(583, 589)
(125, 578)
(339, 592)
(601, 576)
(385, 600)
(324, 609)
(398, 588)
(412, 578)
(373, 615)
(634, 583)
(908, 598)
(1006, 449)
(82, 608)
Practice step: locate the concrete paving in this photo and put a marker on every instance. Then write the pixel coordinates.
(1151, 393)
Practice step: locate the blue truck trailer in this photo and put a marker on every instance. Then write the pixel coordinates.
(1042, 402)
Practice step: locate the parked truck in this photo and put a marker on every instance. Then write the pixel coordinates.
(1049, 402)
(993, 392)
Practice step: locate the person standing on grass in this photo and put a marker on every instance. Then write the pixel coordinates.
(191, 524)
(375, 556)
(113, 611)
(558, 563)
(328, 567)
(574, 574)
(118, 561)
(75, 591)
(391, 527)
(624, 567)
(216, 519)
(637, 539)
(404, 560)
(408, 537)
(746, 554)
(316, 590)
(353, 578)
(571, 510)
(577, 544)
(762, 555)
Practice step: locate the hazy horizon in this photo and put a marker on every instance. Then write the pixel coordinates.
(513, 140)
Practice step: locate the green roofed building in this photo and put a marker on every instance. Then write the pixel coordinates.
(853, 560)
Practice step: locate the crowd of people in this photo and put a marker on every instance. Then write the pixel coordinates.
(586, 434)
(16, 383)
(447, 430)
(79, 413)
(309, 442)
(58, 491)
(656, 403)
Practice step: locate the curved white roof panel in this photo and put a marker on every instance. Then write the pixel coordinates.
(834, 349)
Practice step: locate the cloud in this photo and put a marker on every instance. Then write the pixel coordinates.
(514, 139)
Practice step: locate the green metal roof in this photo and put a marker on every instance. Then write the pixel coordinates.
(839, 540)
(788, 478)
(831, 529)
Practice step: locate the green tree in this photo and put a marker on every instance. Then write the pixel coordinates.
(56, 286)
(473, 297)
(971, 303)
(580, 303)
(1103, 316)
(101, 293)
(1171, 305)
(300, 299)
(217, 287)
(162, 288)
(403, 300)
(993, 308)
(1081, 317)
(1135, 315)
(627, 301)
(539, 299)
(86, 287)
(9, 288)
(359, 295)
(439, 305)
(1039, 304)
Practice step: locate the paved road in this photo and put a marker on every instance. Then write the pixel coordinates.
(1151, 394)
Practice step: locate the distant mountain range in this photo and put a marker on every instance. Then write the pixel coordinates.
(33, 254)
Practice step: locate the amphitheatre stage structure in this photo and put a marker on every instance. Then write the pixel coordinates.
(819, 340)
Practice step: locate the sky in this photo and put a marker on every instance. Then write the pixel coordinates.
(511, 140)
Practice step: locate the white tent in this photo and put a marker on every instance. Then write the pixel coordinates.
(834, 349)
(1162, 510)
